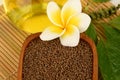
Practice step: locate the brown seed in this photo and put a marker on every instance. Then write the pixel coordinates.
(52, 61)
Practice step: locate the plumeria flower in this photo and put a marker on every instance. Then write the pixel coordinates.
(68, 23)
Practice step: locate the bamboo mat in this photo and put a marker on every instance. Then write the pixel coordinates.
(11, 40)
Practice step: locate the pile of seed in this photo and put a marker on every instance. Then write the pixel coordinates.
(52, 61)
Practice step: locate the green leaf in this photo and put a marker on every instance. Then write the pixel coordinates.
(109, 54)
(115, 23)
(91, 32)
(104, 62)
(101, 0)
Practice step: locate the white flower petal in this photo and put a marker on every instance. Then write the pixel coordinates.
(74, 20)
(85, 21)
(54, 13)
(51, 33)
(70, 37)
(115, 2)
(70, 8)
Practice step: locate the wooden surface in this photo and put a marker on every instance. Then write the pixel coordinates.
(11, 40)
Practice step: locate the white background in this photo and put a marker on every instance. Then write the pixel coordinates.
(115, 2)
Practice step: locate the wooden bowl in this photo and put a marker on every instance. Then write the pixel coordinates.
(82, 36)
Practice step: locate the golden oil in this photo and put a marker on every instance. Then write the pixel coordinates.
(29, 15)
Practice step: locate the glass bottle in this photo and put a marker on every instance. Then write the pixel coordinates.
(29, 15)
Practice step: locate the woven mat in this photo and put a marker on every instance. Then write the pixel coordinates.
(11, 40)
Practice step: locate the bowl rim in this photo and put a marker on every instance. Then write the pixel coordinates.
(82, 36)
